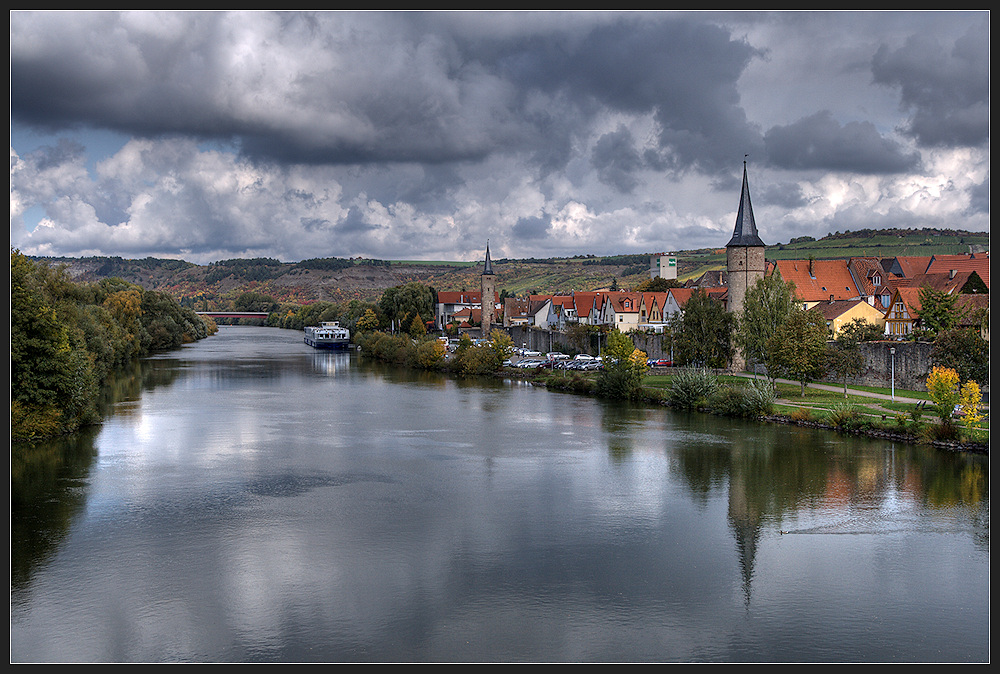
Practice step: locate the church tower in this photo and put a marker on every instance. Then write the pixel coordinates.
(489, 288)
(744, 259)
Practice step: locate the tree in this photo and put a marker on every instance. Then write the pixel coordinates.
(969, 399)
(400, 304)
(417, 327)
(844, 356)
(768, 303)
(658, 285)
(942, 385)
(368, 322)
(965, 351)
(939, 312)
(254, 301)
(797, 349)
(705, 338)
(624, 365)
(859, 330)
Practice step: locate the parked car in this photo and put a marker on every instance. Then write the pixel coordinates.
(528, 363)
(660, 362)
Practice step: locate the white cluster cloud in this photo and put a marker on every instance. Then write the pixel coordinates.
(421, 135)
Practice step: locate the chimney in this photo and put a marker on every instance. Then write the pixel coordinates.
(831, 299)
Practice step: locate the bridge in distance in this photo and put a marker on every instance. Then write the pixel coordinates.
(233, 314)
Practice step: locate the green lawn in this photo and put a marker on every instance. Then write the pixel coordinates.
(819, 403)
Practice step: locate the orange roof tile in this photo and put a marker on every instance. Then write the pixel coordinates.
(829, 278)
(943, 264)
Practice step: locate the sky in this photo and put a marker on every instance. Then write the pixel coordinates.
(214, 135)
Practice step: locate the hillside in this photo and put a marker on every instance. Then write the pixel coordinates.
(339, 280)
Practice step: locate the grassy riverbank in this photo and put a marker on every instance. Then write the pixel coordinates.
(909, 418)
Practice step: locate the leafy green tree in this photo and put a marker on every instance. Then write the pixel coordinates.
(254, 301)
(797, 350)
(401, 303)
(621, 376)
(658, 285)
(705, 338)
(844, 355)
(965, 351)
(768, 303)
(417, 327)
(66, 337)
(939, 312)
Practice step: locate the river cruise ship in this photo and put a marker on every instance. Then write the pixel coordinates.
(328, 336)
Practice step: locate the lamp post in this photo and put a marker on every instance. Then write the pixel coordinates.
(892, 355)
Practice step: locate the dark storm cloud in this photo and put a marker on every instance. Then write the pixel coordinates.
(423, 134)
(979, 198)
(433, 95)
(355, 223)
(682, 71)
(820, 142)
(786, 195)
(532, 228)
(947, 90)
(617, 160)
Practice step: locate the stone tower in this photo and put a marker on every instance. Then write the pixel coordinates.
(488, 287)
(744, 259)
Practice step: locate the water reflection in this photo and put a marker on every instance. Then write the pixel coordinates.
(264, 501)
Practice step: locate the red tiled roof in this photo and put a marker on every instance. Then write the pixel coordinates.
(829, 278)
(944, 264)
(459, 297)
(831, 310)
(910, 297)
(681, 295)
(913, 265)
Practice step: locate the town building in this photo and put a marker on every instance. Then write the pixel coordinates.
(663, 265)
(488, 289)
(745, 263)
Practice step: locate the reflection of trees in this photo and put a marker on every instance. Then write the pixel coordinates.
(773, 471)
(44, 497)
(617, 420)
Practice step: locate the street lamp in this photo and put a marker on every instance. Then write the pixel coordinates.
(892, 355)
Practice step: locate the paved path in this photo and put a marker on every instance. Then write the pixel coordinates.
(850, 391)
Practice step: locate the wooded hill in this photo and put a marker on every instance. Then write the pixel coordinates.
(214, 285)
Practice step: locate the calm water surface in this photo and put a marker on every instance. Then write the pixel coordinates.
(252, 499)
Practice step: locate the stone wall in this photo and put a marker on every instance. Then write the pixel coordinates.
(912, 360)
(912, 365)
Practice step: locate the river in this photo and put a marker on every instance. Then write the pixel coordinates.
(250, 499)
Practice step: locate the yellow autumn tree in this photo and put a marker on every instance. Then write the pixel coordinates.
(942, 385)
(969, 399)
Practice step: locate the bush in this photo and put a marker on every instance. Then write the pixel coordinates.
(846, 417)
(692, 388)
(752, 401)
(939, 432)
(802, 414)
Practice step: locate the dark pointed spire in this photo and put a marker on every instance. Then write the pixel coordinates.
(745, 233)
(489, 265)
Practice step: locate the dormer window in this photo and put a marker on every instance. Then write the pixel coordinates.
(876, 280)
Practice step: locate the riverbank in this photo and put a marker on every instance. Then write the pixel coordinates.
(803, 415)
